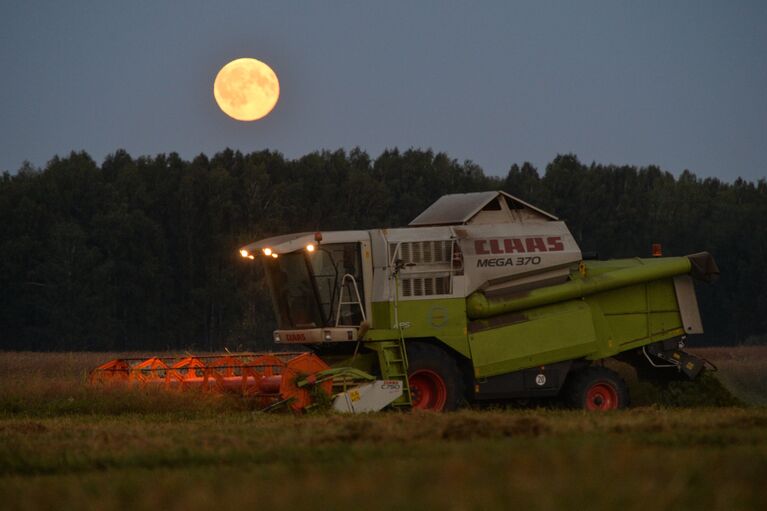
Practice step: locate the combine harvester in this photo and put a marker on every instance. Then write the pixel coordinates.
(483, 297)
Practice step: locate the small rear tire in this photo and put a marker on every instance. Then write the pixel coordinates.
(436, 382)
(596, 389)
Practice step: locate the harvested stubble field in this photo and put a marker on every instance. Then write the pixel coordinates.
(64, 446)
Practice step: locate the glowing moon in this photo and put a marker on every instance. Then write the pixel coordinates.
(246, 89)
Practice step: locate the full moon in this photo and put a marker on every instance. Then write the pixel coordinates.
(246, 89)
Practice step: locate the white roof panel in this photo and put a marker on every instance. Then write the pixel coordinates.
(459, 208)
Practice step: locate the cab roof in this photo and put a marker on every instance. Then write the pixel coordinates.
(463, 208)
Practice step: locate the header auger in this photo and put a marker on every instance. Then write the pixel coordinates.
(482, 297)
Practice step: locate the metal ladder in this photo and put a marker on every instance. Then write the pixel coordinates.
(392, 357)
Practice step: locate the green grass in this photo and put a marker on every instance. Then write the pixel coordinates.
(66, 446)
(706, 459)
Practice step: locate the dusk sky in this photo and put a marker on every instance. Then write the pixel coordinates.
(678, 84)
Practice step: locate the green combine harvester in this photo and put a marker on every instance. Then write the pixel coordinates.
(483, 297)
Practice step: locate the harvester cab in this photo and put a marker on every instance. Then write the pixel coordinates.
(481, 297)
(320, 284)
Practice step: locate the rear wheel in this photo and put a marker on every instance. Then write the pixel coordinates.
(597, 388)
(436, 382)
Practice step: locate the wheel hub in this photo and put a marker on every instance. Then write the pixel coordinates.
(427, 390)
(602, 396)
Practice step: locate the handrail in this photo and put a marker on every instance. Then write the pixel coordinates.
(341, 296)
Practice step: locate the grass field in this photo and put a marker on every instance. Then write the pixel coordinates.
(66, 446)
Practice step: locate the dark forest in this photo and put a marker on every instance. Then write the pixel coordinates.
(141, 253)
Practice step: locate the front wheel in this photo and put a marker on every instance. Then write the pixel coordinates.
(595, 389)
(436, 382)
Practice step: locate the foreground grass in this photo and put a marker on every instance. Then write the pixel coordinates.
(707, 459)
(66, 446)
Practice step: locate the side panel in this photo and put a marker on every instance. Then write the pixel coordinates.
(541, 336)
(500, 252)
(598, 326)
(382, 318)
(444, 319)
(636, 315)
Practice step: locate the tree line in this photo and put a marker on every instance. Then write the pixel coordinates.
(141, 253)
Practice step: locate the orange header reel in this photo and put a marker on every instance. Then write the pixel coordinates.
(273, 379)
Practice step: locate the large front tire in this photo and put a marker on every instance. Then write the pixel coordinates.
(597, 389)
(436, 382)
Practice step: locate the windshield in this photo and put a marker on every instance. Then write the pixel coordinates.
(293, 294)
(307, 287)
